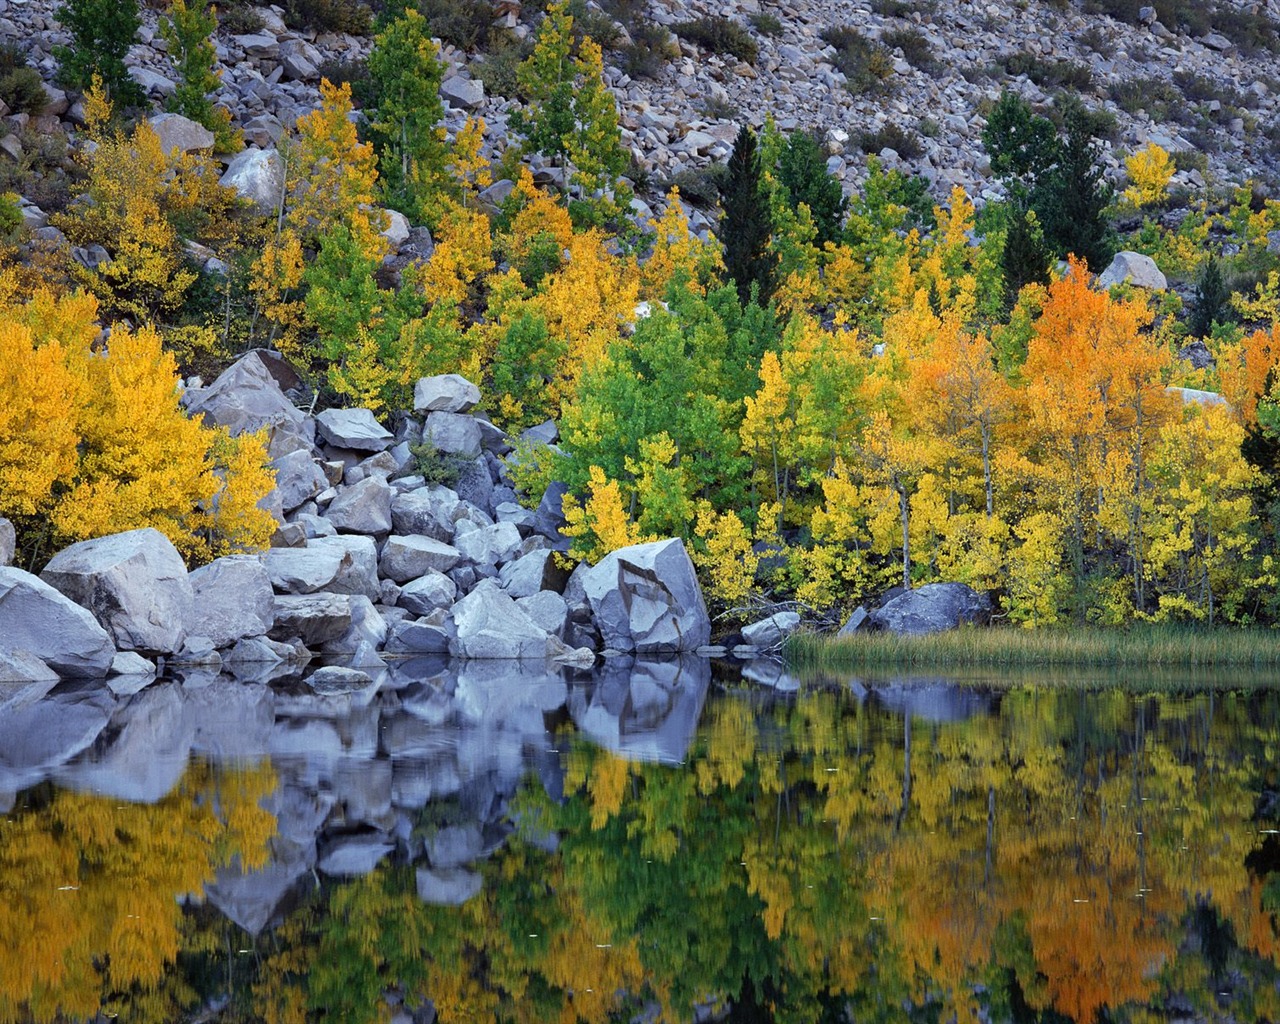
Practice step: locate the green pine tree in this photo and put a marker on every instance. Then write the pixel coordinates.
(802, 171)
(1071, 197)
(189, 31)
(1211, 302)
(101, 34)
(745, 228)
(1026, 256)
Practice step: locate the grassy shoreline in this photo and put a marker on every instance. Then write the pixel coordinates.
(1155, 646)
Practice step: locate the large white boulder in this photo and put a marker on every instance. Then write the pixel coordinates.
(180, 133)
(257, 175)
(1139, 270)
(646, 599)
(134, 583)
(38, 619)
(491, 625)
(232, 600)
(246, 398)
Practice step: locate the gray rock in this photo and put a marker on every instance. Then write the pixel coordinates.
(450, 888)
(246, 398)
(358, 573)
(299, 478)
(462, 93)
(547, 609)
(531, 573)
(771, 631)
(25, 667)
(231, 600)
(1197, 354)
(931, 609)
(491, 625)
(428, 592)
(312, 618)
(134, 583)
(408, 558)
(397, 230)
(134, 665)
(1135, 268)
(455, 845)
(334, 679)
(36, 618)
(8, 542)
(854, 622)
(357, 429)
(180, 133)
(547, 432)
(304, 570)
(418, 638)
(428, 512)
(362, 508)
(448, 392)
(646, 599)
(452, 433)
(152, 81)
(489, 545)
(475, 485)
(258, 176)
(1190, 396)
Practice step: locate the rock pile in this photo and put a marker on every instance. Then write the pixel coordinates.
(370, 560)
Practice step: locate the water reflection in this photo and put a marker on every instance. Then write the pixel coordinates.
(504, 845)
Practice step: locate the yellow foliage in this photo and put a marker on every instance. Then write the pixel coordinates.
(468, 167)
(600, 524)
(724, 555)
(678, 254)
(117, 453)
(1150, 170)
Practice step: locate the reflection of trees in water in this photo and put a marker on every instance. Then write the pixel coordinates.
(90, 889)
(1066, 856)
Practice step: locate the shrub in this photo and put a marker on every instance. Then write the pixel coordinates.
(595, 24)
(349, 16)
(354, 73)
(239, 19)
(10, 214)
(719, 108)
(894, 137)
(1050, 74)
(498, 70)
(766, 24)
(719, 35)
(1191, 160)
(465, 24)
(698, 187)
(651, 48)
(20, 85)
(865, 64)
(1099, 41)
(916, 49)
(1150, 95)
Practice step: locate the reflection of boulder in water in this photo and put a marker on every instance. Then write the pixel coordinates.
(42, 729)
(451, 887)
(932, 699)
(645, 710)
(142, 754)
(255, 899)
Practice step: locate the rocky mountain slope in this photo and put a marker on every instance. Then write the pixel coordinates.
(1201, 96)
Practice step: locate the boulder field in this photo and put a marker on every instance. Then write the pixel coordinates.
(369, 561)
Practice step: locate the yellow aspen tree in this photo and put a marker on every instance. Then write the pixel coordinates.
(678, 255)
(600, 523)
(1150, 170)
(724, 554)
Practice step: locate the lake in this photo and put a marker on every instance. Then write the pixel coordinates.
(653, 842)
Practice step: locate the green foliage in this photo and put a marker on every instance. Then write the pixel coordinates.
(802, 171)
(188, 31)
(652, 47)
(766, 24)
(524, 362)
(891, 136)
(916, 49)
(1022, 145)
(10, 214)
(405, 116)
(866, 65)
(1212, 302)
(21, 87)
(746, 227)
(465, 24)
(1025, 258)
(1049, 73)
(435, 466)
(101, 34)
(350, 16)
(719, 35)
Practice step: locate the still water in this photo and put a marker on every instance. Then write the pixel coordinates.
(650, 843)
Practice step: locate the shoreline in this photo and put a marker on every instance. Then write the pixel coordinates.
(1142, 646)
